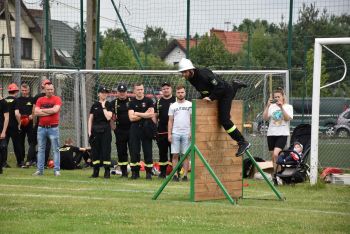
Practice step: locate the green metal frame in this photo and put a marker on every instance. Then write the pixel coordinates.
(193, 150)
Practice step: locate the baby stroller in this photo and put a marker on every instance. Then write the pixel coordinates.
(296, 171)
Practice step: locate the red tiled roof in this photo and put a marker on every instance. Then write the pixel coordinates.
(233, 41)
(182, 43)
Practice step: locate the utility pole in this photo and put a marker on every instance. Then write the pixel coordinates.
(18, 49)
(227, 23)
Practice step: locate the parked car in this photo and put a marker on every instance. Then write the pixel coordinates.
(342, 129)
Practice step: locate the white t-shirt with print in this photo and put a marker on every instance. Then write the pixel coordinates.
(277, 125)
(181, 111)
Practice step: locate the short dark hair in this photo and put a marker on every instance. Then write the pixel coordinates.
(180, 87)
(25, 85)
(137, 84)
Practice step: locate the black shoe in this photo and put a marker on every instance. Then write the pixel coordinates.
(175, 178)
(243, 146)
(185, 179)
(237, 84)
(107, 174)
(95, 172)
(124, 176)
(161, 176)
(134, 175)
(148, 176)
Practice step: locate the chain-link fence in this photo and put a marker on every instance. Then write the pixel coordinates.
(78, 90)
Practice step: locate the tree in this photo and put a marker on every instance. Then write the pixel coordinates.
(115, 54)
(211, 52)
(154, 40)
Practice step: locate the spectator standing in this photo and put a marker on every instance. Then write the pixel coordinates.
(179, 129)
(48, 108)
(279, 114)
(161, 117)
(13, 130)
(100, 136)
(23, 111)
(36, 121)
(141, 110)
(122, 127)
(4, 120)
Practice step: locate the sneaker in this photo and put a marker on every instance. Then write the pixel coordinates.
(185, 179)
(243, 146)
(175, 178)
(37, 173)
(57, 173)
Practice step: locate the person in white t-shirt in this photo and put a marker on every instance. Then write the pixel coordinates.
(179, 128)
(279, 114)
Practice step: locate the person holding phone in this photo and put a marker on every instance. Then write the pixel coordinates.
(279, 114)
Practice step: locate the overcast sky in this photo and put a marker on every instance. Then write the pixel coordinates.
(171, 14)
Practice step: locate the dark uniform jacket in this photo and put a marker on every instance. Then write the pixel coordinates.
(162, 109)
(120, 109)
(209, 84)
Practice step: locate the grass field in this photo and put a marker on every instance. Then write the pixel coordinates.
(74, 203)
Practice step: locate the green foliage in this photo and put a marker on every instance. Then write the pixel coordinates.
(76, 52)
(324, 74)
(154, 41)
(211, 52)
(116, 55)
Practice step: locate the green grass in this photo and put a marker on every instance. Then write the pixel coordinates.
(74, 203)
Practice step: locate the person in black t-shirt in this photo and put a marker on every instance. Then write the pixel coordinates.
(71, 155)
(161, 116)
(100, 136)
(122, 127)
(4, 120)
(13, 128)
(141, 109)
(23, 111)
(36, 121)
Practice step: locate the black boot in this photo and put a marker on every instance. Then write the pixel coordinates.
(148, 173)
(107, 174)
(124, 169)
(135, 175)
(95, 172)
(162, 174)
(243, 145)
(236, 85)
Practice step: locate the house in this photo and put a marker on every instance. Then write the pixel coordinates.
(30, 36)
(32, 25)
(176, 50)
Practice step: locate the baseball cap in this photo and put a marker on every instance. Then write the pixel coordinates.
(45, 82)
(166, 84)
(122, 88)
(12, 87)
(103, 90)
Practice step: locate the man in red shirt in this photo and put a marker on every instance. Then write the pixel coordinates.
(48, 108)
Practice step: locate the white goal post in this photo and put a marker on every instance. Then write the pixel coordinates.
(319, 42)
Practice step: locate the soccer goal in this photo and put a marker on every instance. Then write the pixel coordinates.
(78, 90)
(319, 43)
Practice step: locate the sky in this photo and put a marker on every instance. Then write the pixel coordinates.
(171, 14)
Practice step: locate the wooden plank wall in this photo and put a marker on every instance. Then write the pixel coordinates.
(219, 150)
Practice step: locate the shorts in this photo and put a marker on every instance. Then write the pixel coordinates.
(179, 143)
(276, 141)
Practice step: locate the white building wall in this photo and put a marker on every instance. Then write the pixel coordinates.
(29, 63)
(174, 56)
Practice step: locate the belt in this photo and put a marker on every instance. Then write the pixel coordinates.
(49, 126)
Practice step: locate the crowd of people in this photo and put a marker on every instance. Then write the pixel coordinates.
(136, 122)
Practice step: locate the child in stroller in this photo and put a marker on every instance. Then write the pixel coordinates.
(293, 162)
(295, 155)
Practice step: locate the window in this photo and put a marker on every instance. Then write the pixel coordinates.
(26, 48)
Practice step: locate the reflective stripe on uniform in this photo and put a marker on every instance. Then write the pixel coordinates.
(149, 165)
(163, 163)
(134, 164)
(96, 162)
(107, 163)
(231, 129)
(122, 163)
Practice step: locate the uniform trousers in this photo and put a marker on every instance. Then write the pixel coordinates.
(137, 139)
